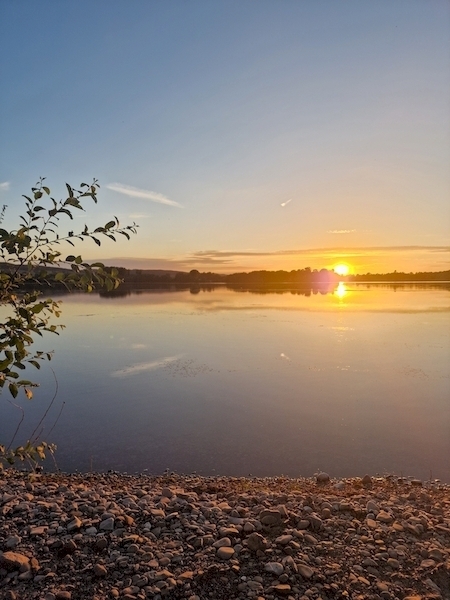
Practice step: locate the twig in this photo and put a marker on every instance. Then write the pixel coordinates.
(32, 437)
(19, 424)
(57, 418)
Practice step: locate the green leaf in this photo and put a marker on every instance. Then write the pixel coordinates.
(4, 364)
(14, 390)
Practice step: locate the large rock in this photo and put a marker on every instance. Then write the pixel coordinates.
(15, 561)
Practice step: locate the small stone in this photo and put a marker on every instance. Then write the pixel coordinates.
(436, 554)
(13, 541)
(303, 524)
(393, 563)
(256, 541)
(166, 492)
(38, 531)
(69, 547)
(75, 524)
(283, 540)
(372, 507)
(427, 563)
(270, 517)
(101, 543)
(100, 570)
(107, 524)
(91, 531)
(223, 542)
(384, 517)
(282, 589)
(366, 480)
(275, 568)
(225, 552)
(322, 478)
(305, 571)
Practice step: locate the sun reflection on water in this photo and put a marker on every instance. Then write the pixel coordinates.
(341, 290)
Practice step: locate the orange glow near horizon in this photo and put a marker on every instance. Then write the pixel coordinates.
(342, 269)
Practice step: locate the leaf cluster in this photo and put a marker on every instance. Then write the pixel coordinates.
(28, 452)
(31, 260)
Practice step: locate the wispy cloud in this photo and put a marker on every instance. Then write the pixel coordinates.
(221, 255)
(285, 203)
(138, 216)
(341, 230)
(141, 367)
(4, 186)
(129, 190)
(225, 259)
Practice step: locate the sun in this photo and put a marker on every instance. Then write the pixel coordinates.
(341, 269)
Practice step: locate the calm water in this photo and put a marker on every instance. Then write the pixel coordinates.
(236, 382)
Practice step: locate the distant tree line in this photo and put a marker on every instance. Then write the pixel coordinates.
(307, 276)
(300, 276)
(396, 276)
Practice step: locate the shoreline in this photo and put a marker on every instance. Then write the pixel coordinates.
(99, 536)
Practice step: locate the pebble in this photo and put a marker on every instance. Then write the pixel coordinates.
(274, 567)
(101, 537)
(225, 552)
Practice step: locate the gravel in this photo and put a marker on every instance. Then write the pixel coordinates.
(105, 536)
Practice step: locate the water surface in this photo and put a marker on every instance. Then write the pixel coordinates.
(353, 380)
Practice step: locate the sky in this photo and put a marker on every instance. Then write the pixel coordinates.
(238, 135)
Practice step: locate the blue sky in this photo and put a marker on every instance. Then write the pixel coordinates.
(238, 135)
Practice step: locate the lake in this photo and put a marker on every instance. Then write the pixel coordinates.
(219, 381)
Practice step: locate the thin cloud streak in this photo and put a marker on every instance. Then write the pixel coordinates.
(341, 231)
(351, 251)
(4, 186)
(129, 190)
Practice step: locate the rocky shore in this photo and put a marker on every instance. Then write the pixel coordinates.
(106, 536)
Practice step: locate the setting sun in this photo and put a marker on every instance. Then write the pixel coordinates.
(341, 269)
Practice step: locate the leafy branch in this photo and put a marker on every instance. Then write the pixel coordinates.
(31, 260)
